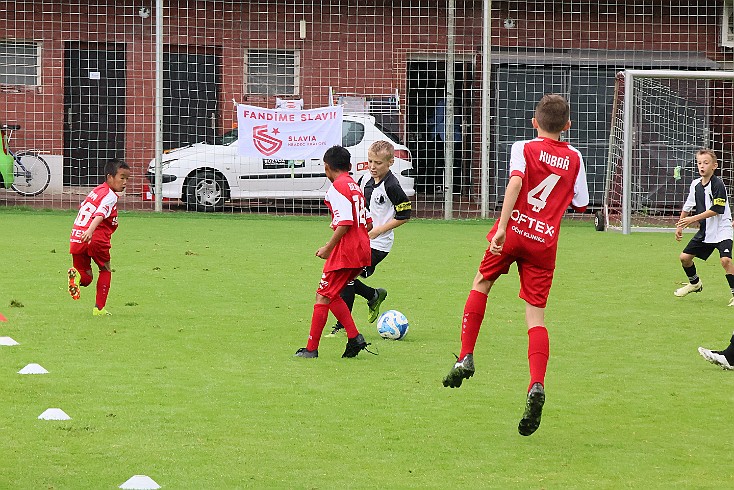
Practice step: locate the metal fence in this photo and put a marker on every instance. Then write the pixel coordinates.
(452, 83)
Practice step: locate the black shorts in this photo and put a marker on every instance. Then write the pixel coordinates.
(377, 257)
(702, 250)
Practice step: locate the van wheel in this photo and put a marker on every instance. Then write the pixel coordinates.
(599, 222)
(206, 191)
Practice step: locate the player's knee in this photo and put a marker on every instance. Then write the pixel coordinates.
(85, 278)
(322, 300)
(725, 262)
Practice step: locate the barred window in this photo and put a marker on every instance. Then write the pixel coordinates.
(20, 62)
(272, 72)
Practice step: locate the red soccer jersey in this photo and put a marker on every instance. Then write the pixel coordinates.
(553, 177)
(102, 201)
(346, 203)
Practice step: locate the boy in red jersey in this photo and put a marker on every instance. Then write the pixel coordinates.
(90, 237)
(546, 175)
(347, 252)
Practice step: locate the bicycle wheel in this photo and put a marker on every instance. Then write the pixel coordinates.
(31, 173)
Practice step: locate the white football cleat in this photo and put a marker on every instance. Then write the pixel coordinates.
(689, 288)
(715, 358)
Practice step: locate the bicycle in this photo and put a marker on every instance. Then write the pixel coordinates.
(30, 174)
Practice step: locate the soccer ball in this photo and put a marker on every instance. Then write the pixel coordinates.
(392, 325)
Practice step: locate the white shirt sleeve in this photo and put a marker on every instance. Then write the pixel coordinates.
(580, 187)
(340, 206)
(690, 203)
(517, 157)
(105, 206)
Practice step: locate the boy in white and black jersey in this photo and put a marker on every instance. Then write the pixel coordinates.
(389, 208)
(708, 205)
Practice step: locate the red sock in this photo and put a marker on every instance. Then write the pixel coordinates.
(538, 353)
(474, 309)
(318, 322)
(103, 288)
(82, 266)
(341, 311)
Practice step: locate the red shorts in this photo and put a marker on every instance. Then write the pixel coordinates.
(96, 250)
(333, 282)
(535, 282)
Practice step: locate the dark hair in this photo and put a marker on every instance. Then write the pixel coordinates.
(552, 113)
(112, 166)
(338, 158)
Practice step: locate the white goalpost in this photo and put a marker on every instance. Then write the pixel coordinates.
(660, 118)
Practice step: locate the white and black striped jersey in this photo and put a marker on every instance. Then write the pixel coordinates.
(385, 200)
(710, 196)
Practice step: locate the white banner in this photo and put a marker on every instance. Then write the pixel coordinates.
(287, 134)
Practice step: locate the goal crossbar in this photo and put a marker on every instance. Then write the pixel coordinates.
(629, 136)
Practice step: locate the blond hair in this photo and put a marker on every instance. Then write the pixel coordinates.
(709, 152)
(381, 147)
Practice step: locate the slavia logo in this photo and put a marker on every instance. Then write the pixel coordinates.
(265, 143)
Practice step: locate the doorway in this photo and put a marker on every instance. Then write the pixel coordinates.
(94, 110)
(425, 128)
(191, 81)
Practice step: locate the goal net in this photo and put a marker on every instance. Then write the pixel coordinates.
(660, 118)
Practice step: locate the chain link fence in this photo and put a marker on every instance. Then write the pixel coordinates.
(451, 83)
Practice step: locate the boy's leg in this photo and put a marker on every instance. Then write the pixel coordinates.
(725, 251)
(83, 265)
(692, 250)
(318, 322)
(535, 284)
(100, 253)
(328, 299)
(103, 288)
(474, 309)
(347, 295)
(364, 290)
(723, 358)
(729, 351)
(374, 297)
(340, 310)
(538, 344)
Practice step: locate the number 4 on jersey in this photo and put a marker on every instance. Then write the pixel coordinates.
(538, 196)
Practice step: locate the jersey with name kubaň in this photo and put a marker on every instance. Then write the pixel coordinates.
(553, 176)
(101, 201)
(347, 206)
(711, 196)
(385, 200)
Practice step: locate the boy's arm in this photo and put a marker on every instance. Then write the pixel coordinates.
(390, 225)
(86, 235)
(686, 220)
(511, 193)
(679, 228)
(339, 232)
(402, 207)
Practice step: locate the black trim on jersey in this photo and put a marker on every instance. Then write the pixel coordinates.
(394, 192)
(718, 191)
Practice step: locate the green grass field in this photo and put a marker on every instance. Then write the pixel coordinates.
(193, 382)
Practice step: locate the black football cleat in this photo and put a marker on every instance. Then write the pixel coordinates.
(463, 369)
(354, 346)
(303, 352)
(530, 420)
